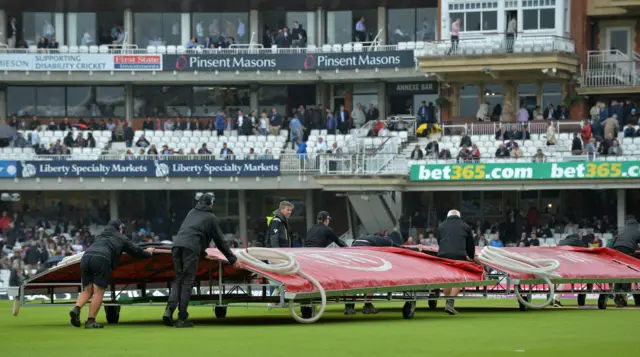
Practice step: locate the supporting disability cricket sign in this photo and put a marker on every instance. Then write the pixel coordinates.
(526, 171)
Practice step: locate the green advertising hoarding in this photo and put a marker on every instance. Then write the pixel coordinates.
(526, 171)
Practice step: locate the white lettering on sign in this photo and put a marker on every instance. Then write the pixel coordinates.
(414, 87)
(353, 261)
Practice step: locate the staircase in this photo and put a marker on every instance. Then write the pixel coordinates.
(611, 68)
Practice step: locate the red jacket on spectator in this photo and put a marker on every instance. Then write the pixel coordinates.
(4, 222)
(586, 133)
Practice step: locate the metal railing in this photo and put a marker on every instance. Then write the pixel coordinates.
(495, 44)
(533, 126)
(180, 50)
(610, 68)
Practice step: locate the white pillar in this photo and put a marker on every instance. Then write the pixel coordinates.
(255, 32)
(242, 215)
(113, 204)
(3, 26)
(398, 197)
(72, 26)
(58, 25)
(382, 99)
(445, 26)
(127, 20)
(320, 28)
(185, 28)
(621, 207)
(310, 212)
(502, 21)
(519, 19)
(382, 25)
(559, 30)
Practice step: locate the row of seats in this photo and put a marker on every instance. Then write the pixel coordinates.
(62, 133)
(215, 139)
(199, 133)
(561, 157)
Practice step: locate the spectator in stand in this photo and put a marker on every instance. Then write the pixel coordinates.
(275, 121)
(332, 124)
(523, 114)
(417, 154)
(297, 130)
(576, 145)
(80, 141)
(91, 141)
(537, 113)
(633, 117)
(550, 113)
(611, 126)
(538, 156)
(630, 131)
(475, 153)
(252, 155)
(142, 142)
(511, 144)
(502, 152)
(603, 113)
(496, 242)
(603, 149)
(373, 113)
(534, 241)
(585, 132)
(344, 120)
(384, 132)
(551, 134)
(615, 149)
(445, 154)
(464, 155)
(511, 134)
(220, 123)
(465, 140)
(431, 241)
(322, 146)
(302, 149)
(433, 149)
(168, 125)
(358, 116)
(597, 130)
(524, 133)
(203, 150)
(225, 152)
(516, 153)
(591, 149)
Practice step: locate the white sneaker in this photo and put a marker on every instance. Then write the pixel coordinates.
(272, 305)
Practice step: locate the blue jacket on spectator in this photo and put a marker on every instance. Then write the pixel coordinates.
(604, 114)
(220, 122)
(302, 150)
(332, 123)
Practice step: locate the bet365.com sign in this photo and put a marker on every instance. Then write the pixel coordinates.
(526, 171)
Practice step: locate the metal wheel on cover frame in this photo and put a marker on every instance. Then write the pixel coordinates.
(408, 310)
(220, 312)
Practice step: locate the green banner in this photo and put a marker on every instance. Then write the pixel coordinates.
(526, 171)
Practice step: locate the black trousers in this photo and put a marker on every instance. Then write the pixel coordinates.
(630, 252)
(185, 264)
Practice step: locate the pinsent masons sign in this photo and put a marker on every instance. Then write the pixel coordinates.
(289, 62)
(149, 168)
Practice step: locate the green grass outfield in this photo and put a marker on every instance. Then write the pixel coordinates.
(483, 328)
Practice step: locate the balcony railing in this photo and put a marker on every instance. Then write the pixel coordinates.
(610, 69)
(496, 44)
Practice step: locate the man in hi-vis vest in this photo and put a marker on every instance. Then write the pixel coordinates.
(278, 235)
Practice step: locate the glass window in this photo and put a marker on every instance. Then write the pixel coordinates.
(21, 101)
(530, 19)
(273, 96)
(489, 20)
(109, 102)
(370, 23)
(470, 204)
(492, 204)
(494, 96)
(306, 21)
(162, 101)
(551, 94)
(156, 29)
(469, 100)
(79, 101)
(50, 101)
(401, 25)
(547, 18)
(207, 101)
(232, 26)
(85, 28)
(456, 16)
(527, 96)
(427, 24)
(340, 27)
(36, 25)
(472, 21)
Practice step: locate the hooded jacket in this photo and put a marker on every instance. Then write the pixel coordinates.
(630, 236)
(111, 243)
(278, 235)
(198, 229)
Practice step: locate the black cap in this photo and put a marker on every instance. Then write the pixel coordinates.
(206, 198)
(116, 223)
(323, 216)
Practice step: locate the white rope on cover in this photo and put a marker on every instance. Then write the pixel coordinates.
(283, 264)
(544, 269)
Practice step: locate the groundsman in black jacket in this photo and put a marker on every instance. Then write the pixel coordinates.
(278, 235)
(197, 231)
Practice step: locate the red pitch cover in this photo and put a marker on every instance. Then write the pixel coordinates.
(357, 268)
